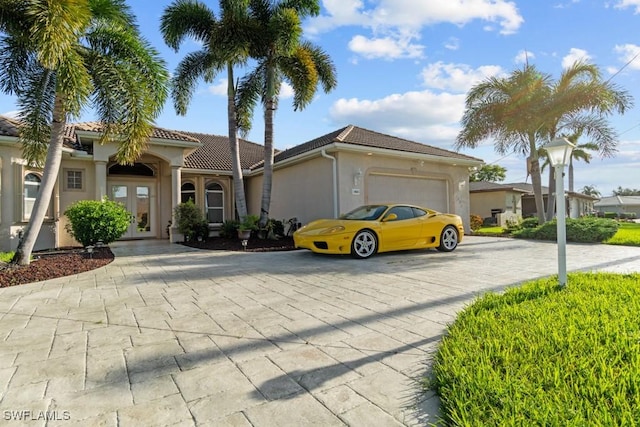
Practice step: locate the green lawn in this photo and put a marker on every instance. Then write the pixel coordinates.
(489, 231)
(628, 234)
(539, 354)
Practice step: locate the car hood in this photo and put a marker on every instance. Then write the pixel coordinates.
(322, 225)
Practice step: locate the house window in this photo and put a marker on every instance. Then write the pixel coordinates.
(215, 203)
(73, 180)
(187, 191)
(31, 187)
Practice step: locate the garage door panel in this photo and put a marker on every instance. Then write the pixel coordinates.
(430, 193)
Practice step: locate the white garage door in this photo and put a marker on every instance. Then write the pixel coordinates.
(430, 193)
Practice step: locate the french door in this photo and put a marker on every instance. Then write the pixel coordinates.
(138, 200)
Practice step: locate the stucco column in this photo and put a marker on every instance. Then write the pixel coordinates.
(176, 184)
(101, 179)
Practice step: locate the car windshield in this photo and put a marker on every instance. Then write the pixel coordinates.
(367, 213)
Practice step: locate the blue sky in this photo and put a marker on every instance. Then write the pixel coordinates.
(404, 67)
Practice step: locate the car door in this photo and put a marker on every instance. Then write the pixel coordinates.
(401, 232)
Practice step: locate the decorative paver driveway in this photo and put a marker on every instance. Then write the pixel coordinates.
(167, 335)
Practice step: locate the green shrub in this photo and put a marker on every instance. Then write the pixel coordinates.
(531, 222)
(585, 230)
(274, 229)
(611, 215)
(92, 221)
(229, 229)
(541, 355)
(249, 222)
(475, 222)
(191, 222)
(277, 227)
(6, 256)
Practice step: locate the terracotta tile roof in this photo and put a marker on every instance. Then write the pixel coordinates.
(485, 186)
(367, 138)
(9, 126)
(216, 155)
(158, 133)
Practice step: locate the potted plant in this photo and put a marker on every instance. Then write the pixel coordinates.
(248, 224)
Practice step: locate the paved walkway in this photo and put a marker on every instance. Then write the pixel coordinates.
(167, 335)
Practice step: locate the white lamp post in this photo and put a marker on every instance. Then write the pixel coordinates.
(559, 152)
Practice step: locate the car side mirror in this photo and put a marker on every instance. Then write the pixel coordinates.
(390, 217)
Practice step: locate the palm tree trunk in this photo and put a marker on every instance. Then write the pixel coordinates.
(571, 175)
(536, 182)
(551, 200)
(267, 180)
(49, 178)
(234, 147)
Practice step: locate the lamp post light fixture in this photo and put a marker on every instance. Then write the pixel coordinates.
(559, 152)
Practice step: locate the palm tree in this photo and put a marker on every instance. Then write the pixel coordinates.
(224, 45)
(509, 110)
(61, 57)
(527, 109)
(578, 104)
(282, 56)
(590, 190)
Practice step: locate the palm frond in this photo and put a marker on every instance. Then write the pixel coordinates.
(55, 28)
(187, 18)
(36, 107)
(190, 69)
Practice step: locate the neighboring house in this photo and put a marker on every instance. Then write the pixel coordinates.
(578, 204)
(503, 202)
(619, 204)
(320, 178)
(496, 203)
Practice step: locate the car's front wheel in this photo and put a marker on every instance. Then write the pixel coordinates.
(364, 244)
(448, 239)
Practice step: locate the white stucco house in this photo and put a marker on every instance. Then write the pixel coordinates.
(323, 177)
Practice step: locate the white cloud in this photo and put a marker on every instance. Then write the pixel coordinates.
(421, 116)
(574, 55)
(218, 88)
(453, 43)
(629, 53)
(623, 4)
(398, 22)
(386, 48)
(458, 78)
(286, 91)
(523, 57)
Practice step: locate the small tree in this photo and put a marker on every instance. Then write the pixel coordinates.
(491, 173)
(191, 222)
(92, 221)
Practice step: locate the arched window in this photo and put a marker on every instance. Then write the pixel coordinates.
(215, 203)
(187, 191)
(31, 187)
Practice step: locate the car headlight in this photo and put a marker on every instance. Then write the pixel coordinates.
(332, 230)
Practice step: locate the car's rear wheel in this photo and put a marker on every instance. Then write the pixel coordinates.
(364, 244)
(448, 239)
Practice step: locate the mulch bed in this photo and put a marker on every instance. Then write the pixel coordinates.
(51, 264)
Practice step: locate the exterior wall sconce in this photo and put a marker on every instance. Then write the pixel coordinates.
(357, 177)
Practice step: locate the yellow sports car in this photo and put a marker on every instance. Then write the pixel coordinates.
(381, 228)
